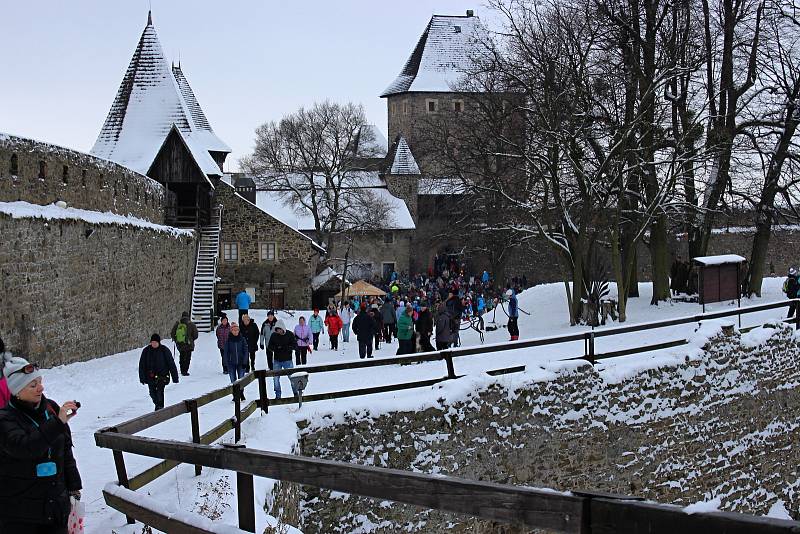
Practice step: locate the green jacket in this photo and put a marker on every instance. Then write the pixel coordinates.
(405, 326)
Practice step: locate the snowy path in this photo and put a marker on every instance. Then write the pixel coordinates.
(109, 391)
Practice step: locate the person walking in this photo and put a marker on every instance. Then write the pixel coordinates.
(513, 314)
(222, 332)
(156, 366)
(282, 344)
(346, 315)
(267, 327)
(334, 324)
(236, 355)
(389, 319)
(424, 326)
(791, 287)
(377, 318)
(303, 335)
(405, 331)
(184, 333)
(243, 302)
(315, 324)
(251, 333)
(444, 335)
(38, 472)
(364, 329)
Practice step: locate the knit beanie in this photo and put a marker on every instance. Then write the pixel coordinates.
(155, 337)
(17, 381)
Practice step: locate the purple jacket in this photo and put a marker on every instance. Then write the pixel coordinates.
(222, 335)
(303, 335)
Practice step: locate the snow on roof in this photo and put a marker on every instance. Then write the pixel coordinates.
(719, 260)
(371, 143)
(26, 210)
(226, 179)
(404, 162)
(151, 99)
(442, 56)
(274, 203)
(322, 278)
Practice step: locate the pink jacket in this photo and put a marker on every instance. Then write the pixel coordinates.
(5, 394)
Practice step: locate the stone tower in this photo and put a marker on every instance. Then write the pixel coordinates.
(402, 175)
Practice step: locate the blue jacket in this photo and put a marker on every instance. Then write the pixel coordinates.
(315, 323)
(236, 353)
(485, 277)
(481, 304)
(513, 310)
(243, 301)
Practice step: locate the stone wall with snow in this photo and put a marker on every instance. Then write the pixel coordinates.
(718, 423)
(85, 284)
(41, 173)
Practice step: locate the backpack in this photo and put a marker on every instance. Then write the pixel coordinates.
(786, 286)
(181, 333)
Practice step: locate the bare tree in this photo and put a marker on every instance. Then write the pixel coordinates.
(309, 159)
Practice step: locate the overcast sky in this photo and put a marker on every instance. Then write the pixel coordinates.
(248, 61)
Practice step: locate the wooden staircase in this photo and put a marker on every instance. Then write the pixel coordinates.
(205, 274)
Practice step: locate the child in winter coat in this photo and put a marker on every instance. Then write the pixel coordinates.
(303, 334)
(315, 323)
(334, 324)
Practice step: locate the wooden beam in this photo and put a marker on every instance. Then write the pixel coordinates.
(510, 504)
(151, 419)
(150, 517)
(358, 392)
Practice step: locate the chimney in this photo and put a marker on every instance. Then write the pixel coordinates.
(470, 13)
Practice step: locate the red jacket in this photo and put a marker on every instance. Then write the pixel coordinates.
(334, 324)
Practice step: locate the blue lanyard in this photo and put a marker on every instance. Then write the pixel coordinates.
(46, 418)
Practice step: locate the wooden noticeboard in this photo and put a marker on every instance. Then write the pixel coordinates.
(720, 278)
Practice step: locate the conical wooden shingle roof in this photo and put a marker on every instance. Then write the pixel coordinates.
(152, 97)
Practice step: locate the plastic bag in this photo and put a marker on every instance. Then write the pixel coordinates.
(76, 516)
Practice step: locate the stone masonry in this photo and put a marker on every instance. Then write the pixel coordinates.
(244, 223)
(41, 173)
(72, 290)
(719, 423)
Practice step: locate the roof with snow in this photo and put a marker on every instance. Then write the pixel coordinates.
(326, 276)
(442, 56)
(370, 142)
(275, 203)
(719, 260)
(403, 161)
(152, 97)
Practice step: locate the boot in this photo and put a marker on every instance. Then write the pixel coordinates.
(514, 338)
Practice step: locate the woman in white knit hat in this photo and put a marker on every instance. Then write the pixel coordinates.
(38, 473)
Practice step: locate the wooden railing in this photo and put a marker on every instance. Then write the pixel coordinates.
(579, 512)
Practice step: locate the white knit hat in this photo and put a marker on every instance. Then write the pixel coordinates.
(17, 381)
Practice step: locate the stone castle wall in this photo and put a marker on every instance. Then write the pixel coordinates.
(717, 423)
(244, 223)
(41, 173)
(72, 290)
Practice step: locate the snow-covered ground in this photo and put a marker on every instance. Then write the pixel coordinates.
(109, 391)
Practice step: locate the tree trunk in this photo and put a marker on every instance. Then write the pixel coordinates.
(659, 257)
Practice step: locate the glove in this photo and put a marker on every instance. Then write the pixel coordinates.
(76, 494)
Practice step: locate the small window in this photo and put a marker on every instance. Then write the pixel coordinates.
(126, 189)
(388, 238)
(457, 29)
(14, 165)
(65, 174)
(432, 105)
(458, 106)
(406, 108)
(116, 188)
(42, 170)
(83, 178)
(269, 251)
(230, 252)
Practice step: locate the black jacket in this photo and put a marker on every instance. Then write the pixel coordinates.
(251, 333)
(792, 287)
(364, 326)
(424, 323)
(155, 363)
(282, 346)
(25, 497)
(236, 352)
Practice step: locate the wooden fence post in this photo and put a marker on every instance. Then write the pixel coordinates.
(797, 318)
(122, 477)
(237, 412)
(245, 498)
(191, 405)
(262, 391)
(448, 357)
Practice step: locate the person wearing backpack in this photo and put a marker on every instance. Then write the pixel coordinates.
(184, 332)
(791, 287)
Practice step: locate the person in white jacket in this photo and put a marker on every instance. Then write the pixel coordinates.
(346, 313)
